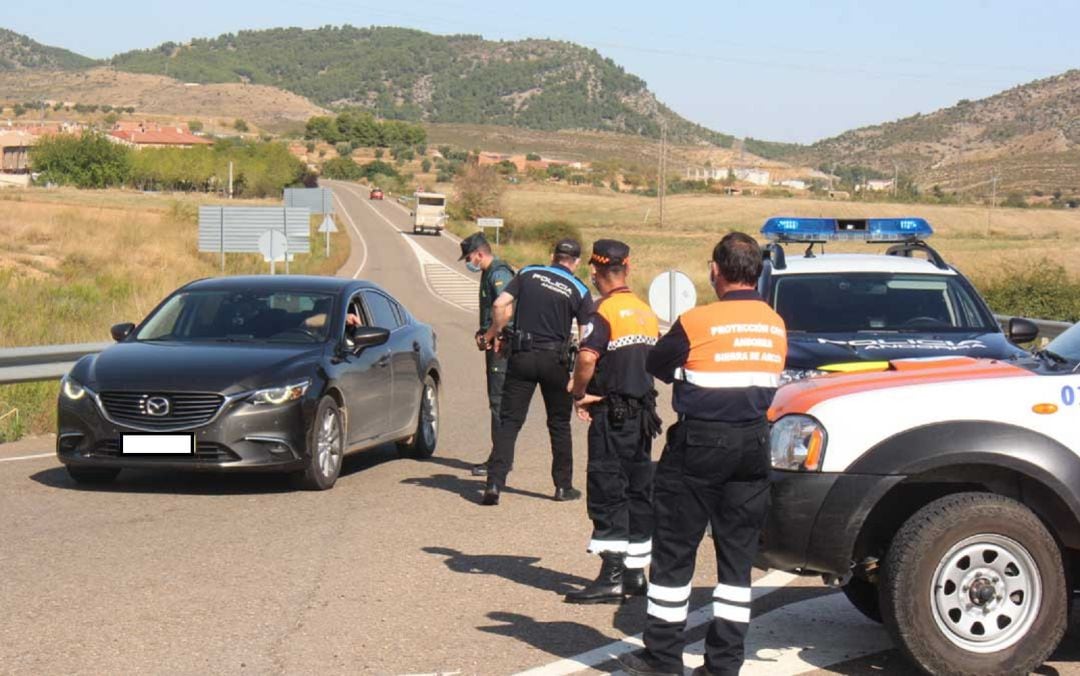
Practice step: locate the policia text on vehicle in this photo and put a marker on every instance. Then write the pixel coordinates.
(725, 360)
(614, 392)
(542, 301)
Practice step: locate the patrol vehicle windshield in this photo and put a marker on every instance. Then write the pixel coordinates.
(877, 302)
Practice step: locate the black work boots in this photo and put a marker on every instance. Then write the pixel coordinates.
(610, 585)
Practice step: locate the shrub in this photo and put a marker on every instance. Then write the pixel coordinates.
(479, 192)
(532, 157)
(425, 165)
(240, 125)
(1043, 290)
(195, 125)
(342, 168)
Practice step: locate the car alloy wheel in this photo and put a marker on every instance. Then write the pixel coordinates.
(328, 444)
(429, 415)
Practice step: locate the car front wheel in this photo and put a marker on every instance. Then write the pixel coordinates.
(974, 584)
(422, 443)
(326, 447)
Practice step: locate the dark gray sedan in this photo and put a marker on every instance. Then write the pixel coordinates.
(275, 373)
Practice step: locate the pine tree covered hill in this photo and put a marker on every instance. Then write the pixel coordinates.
(400, 73)
(18, 52)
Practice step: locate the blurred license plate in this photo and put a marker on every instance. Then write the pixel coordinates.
(158, 444)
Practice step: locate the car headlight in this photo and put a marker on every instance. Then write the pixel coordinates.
(795, 375)
(71, 389)
(798, 443)
(280, 395)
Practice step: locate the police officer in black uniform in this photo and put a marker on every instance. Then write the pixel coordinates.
(542, 301)
(495, 275)
(613, 391)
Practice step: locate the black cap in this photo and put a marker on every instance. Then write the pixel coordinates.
(472, 243)
(609, 252)
(568, 247)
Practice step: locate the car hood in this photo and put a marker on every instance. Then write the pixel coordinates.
(226, 368)
(815, 350)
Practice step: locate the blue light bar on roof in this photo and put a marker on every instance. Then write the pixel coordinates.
(792, 229)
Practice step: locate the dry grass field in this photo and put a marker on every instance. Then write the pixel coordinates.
(73, 263)
(984, 246)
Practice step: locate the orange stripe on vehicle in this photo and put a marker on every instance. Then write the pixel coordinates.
(802, 396)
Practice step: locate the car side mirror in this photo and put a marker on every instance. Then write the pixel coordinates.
(121, 331)
(367, 336)
(1022, 330)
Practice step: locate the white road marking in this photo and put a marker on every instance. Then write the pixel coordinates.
(765, 585)
(442, 281)
(363, 242)
(805, 636)
(28, 457)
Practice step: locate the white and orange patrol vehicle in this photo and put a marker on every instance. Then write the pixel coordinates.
(943, 495)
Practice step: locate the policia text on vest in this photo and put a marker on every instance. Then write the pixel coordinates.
(725, 361)
(614, 392)
(542, 301)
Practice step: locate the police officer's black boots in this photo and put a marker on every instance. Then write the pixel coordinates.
(634, 582)
(608, 585)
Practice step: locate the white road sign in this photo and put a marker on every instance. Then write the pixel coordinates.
(671, 294)
(272, 245)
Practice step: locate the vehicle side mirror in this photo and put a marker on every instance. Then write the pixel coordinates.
(1022, 330)
(121, 331)
(367, 336)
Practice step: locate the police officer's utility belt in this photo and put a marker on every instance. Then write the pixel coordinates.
(701, 423)
(618, 408)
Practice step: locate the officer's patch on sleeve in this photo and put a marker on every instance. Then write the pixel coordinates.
(587, 331)
(499, 284)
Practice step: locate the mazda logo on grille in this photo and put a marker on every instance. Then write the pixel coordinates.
(157, 406)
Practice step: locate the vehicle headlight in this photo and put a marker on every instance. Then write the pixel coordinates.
(71, 389)
(795, 375)
(798, 443)
(280, 395)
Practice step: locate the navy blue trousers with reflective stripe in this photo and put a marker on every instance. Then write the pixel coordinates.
(709, 473)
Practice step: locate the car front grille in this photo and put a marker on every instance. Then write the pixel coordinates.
(185, 409)
(204, 452)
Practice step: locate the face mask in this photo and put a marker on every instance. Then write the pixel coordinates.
(470, 267)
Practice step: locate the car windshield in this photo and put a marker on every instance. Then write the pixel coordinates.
(878, 302)
(1067, 345)
(241, 316)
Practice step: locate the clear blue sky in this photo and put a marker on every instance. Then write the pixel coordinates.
(782, 70)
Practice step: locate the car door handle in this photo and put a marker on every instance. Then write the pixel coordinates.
(384, 361)
(415, 346)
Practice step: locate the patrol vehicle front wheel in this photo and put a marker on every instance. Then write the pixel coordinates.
(974, 584)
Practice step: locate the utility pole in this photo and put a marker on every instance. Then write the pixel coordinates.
(895, 177)
(993, 198)
(230, 179)
(661, 182)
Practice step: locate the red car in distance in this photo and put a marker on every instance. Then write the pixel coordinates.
(376, 194)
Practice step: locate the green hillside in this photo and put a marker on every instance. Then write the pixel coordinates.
(18, 52)
(407, 74)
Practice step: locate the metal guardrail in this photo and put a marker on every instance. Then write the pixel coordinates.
(50, 362)
(45, 362)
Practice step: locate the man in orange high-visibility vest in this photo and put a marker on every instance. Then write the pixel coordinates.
(725, 361)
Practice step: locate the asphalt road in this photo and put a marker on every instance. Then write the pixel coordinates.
(397, 570)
